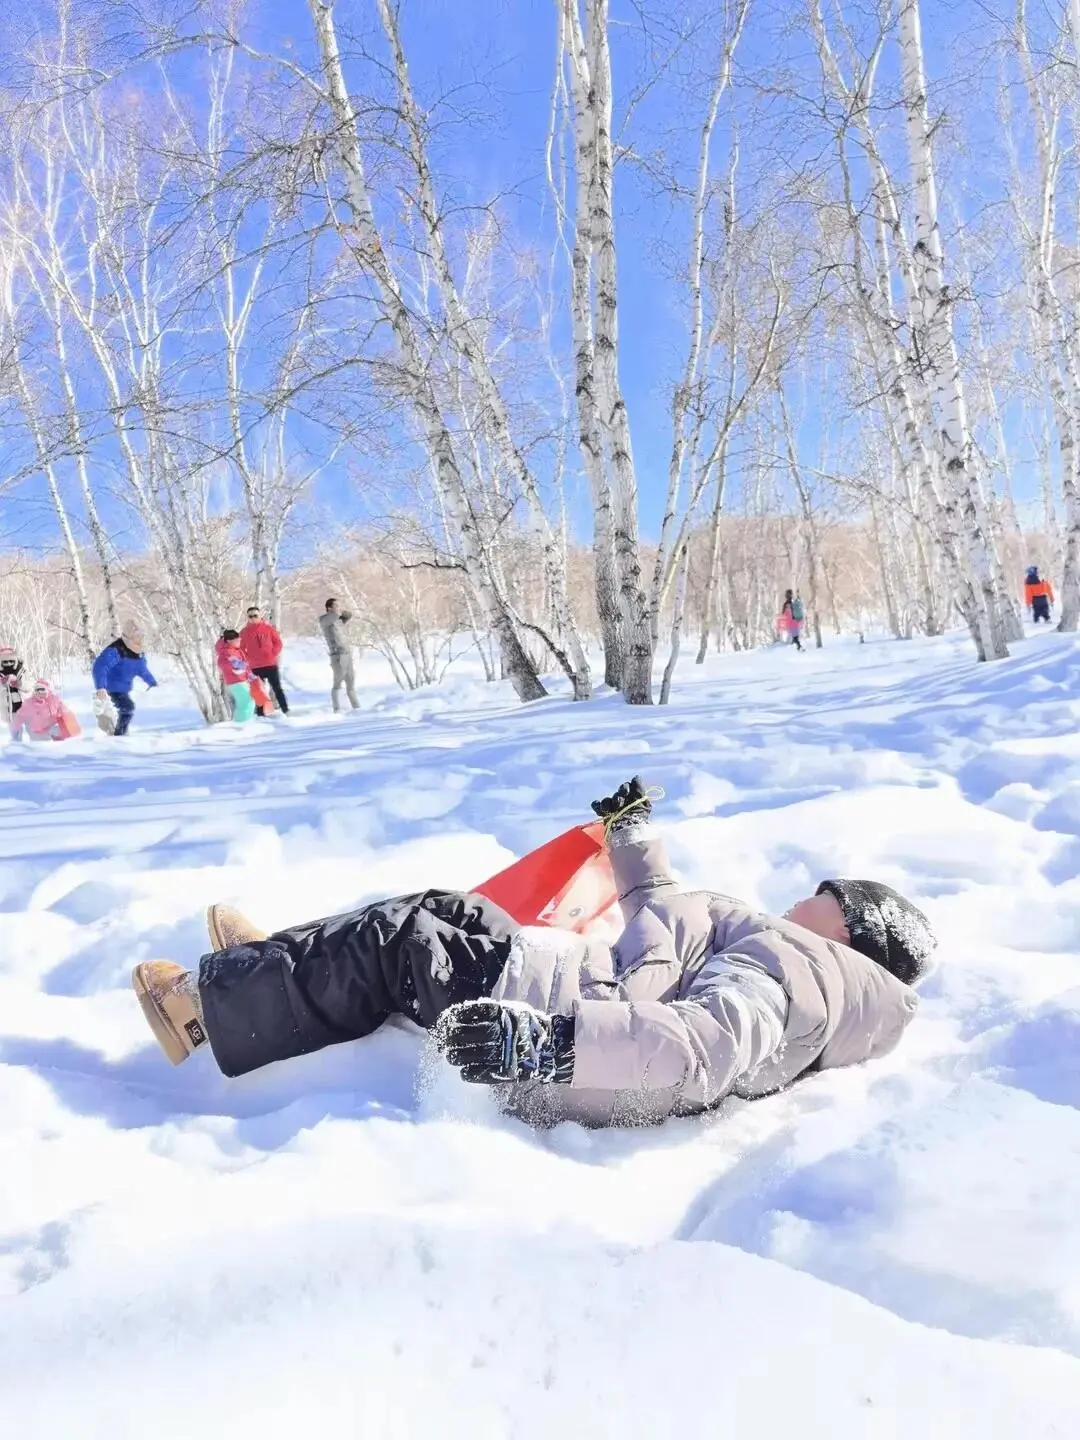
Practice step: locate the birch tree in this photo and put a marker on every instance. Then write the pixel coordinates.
(686, 405)
(1053, 329)
(940, 357)
(604, 422)
(361, 233)
(925, 385)
(463, 335)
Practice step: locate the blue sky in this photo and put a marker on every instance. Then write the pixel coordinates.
(492, 65)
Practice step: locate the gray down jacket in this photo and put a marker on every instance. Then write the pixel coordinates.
(332, 624)
(661, 1026)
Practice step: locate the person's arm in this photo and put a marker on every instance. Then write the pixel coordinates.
(278, 644)
(17, 723)
(639, 862)
(103, 669)
(638, 856)
(144, 671)
(698, 1047)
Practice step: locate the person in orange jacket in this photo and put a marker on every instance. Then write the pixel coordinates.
(262, 645)
(1038, 595)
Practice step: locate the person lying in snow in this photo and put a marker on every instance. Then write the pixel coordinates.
(698, 998)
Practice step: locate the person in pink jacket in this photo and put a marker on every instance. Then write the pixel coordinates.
(43, 716)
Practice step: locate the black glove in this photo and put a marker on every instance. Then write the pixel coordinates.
(492, 1042)
(628, 806)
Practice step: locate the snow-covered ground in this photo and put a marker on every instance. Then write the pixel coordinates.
(356, 1244)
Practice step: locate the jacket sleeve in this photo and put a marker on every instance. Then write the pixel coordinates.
(640, 865)
(698, 1047)
(103, 668)
(276, 643)
(144, 671)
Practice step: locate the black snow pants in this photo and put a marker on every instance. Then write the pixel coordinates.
(272, 675)
(340, 978)
(1040, 609)
(125, 709)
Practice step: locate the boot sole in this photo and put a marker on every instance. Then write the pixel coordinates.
(212, 930)
(165, 1032)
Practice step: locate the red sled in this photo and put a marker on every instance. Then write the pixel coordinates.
(67, 727)
(261, 695)
(566, 883)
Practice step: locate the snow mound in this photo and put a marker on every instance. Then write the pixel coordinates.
(355, 1243)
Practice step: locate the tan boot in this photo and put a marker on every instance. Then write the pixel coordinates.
(227, 927)
(169, 996)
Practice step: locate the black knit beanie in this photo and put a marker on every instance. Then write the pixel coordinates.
(885, 927)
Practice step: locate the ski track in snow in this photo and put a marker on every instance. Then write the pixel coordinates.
(356, 1244)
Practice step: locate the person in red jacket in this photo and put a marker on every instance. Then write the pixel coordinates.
(261, 643)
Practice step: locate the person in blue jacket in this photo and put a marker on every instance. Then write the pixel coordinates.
(115, 670)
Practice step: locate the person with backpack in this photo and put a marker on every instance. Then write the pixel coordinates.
(700, 996)
(11, 673)
(792, 615)
(116, 670)
(1038, 595)
(262, 645)
(235, 675)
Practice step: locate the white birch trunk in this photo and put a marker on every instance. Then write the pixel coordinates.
(810, 535)
(368, 247)
(676, 625)
(712, 560)
(63, 520)
(468, 343)
(687, 390)
(940, 358)
(590, 74)
(1054, 331)
(940, 506)
(590, 434)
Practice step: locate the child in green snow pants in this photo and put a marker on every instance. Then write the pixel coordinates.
(241, 700)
